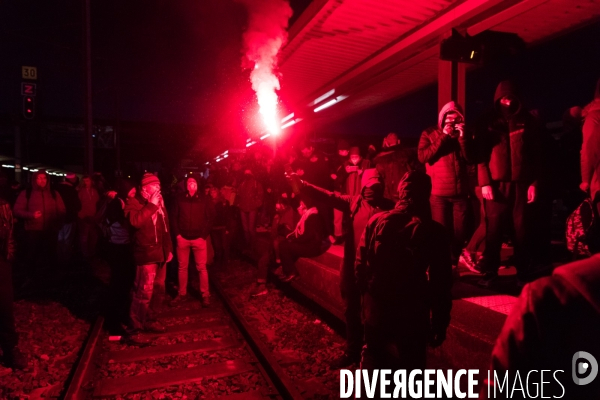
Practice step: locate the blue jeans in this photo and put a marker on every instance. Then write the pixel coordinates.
(451, 212)
(149, 286)
(198, 247)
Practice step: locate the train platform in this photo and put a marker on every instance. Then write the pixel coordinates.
(478, 314)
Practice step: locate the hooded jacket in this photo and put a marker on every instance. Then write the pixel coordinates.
(590, 149)
(446, 158)
(509, 144)
(151, 238)
(554, 318)
(403, 267)
(41, 199)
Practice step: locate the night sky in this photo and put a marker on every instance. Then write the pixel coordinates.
(179, 62)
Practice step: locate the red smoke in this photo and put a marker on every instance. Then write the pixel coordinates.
(264, 37)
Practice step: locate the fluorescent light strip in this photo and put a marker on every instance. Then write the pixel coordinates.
(292, 122)
(287, 118)
(330, 103)
(323, 97)
(266, 135)
(250, 144)
(8, 166)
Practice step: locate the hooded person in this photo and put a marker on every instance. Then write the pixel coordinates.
(43, 211)
(393, 161)
(152, 249)
(446, 150)
(509, 168)
(404, 274)
(357, 211)
(354, 167)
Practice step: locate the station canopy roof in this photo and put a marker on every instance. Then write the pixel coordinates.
(373, 51)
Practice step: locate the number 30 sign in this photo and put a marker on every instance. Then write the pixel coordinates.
(29, 72)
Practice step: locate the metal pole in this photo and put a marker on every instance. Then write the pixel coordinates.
(18, 166)
(88, 166)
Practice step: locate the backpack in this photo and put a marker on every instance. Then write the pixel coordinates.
(581, 229)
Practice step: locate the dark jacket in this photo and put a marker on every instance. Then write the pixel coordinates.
(590, 149)
(151, 240)
(509, 144)
(403, 267)
(554, 318)
(357, 212)
(192, 216)
(44, 199)
(7, 238)
(392, 163)
(445, 157)
(250, 194)
(70, 198)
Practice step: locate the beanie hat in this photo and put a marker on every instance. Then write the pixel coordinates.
(370, 177)
(354, 151)
(149, 179)
(343, 145)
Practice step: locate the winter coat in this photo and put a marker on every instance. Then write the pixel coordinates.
(192, 216)
(445, 157)
(403, 267)
(250, 194)
(590, 149)
(554, 318)
(45, 200)
(89, 201)
(151, 240)
(509, 145)
(70, 198)
(357, 212)
(7, 238)
(392, 163)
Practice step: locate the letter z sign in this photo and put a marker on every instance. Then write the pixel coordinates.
(28, 89)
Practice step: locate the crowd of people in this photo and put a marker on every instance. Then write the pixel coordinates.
(407, 218)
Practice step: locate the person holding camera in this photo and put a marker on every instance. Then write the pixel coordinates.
(446, 150)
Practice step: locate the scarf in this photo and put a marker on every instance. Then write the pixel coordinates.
(299, 231)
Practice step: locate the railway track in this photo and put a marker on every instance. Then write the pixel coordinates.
(212, 351)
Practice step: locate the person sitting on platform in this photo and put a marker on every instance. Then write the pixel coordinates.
(357, 210)
(309, 239)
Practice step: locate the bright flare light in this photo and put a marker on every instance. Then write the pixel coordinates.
(264, 37)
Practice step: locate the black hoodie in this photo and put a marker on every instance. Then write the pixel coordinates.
(403, 265)
(509, 142)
